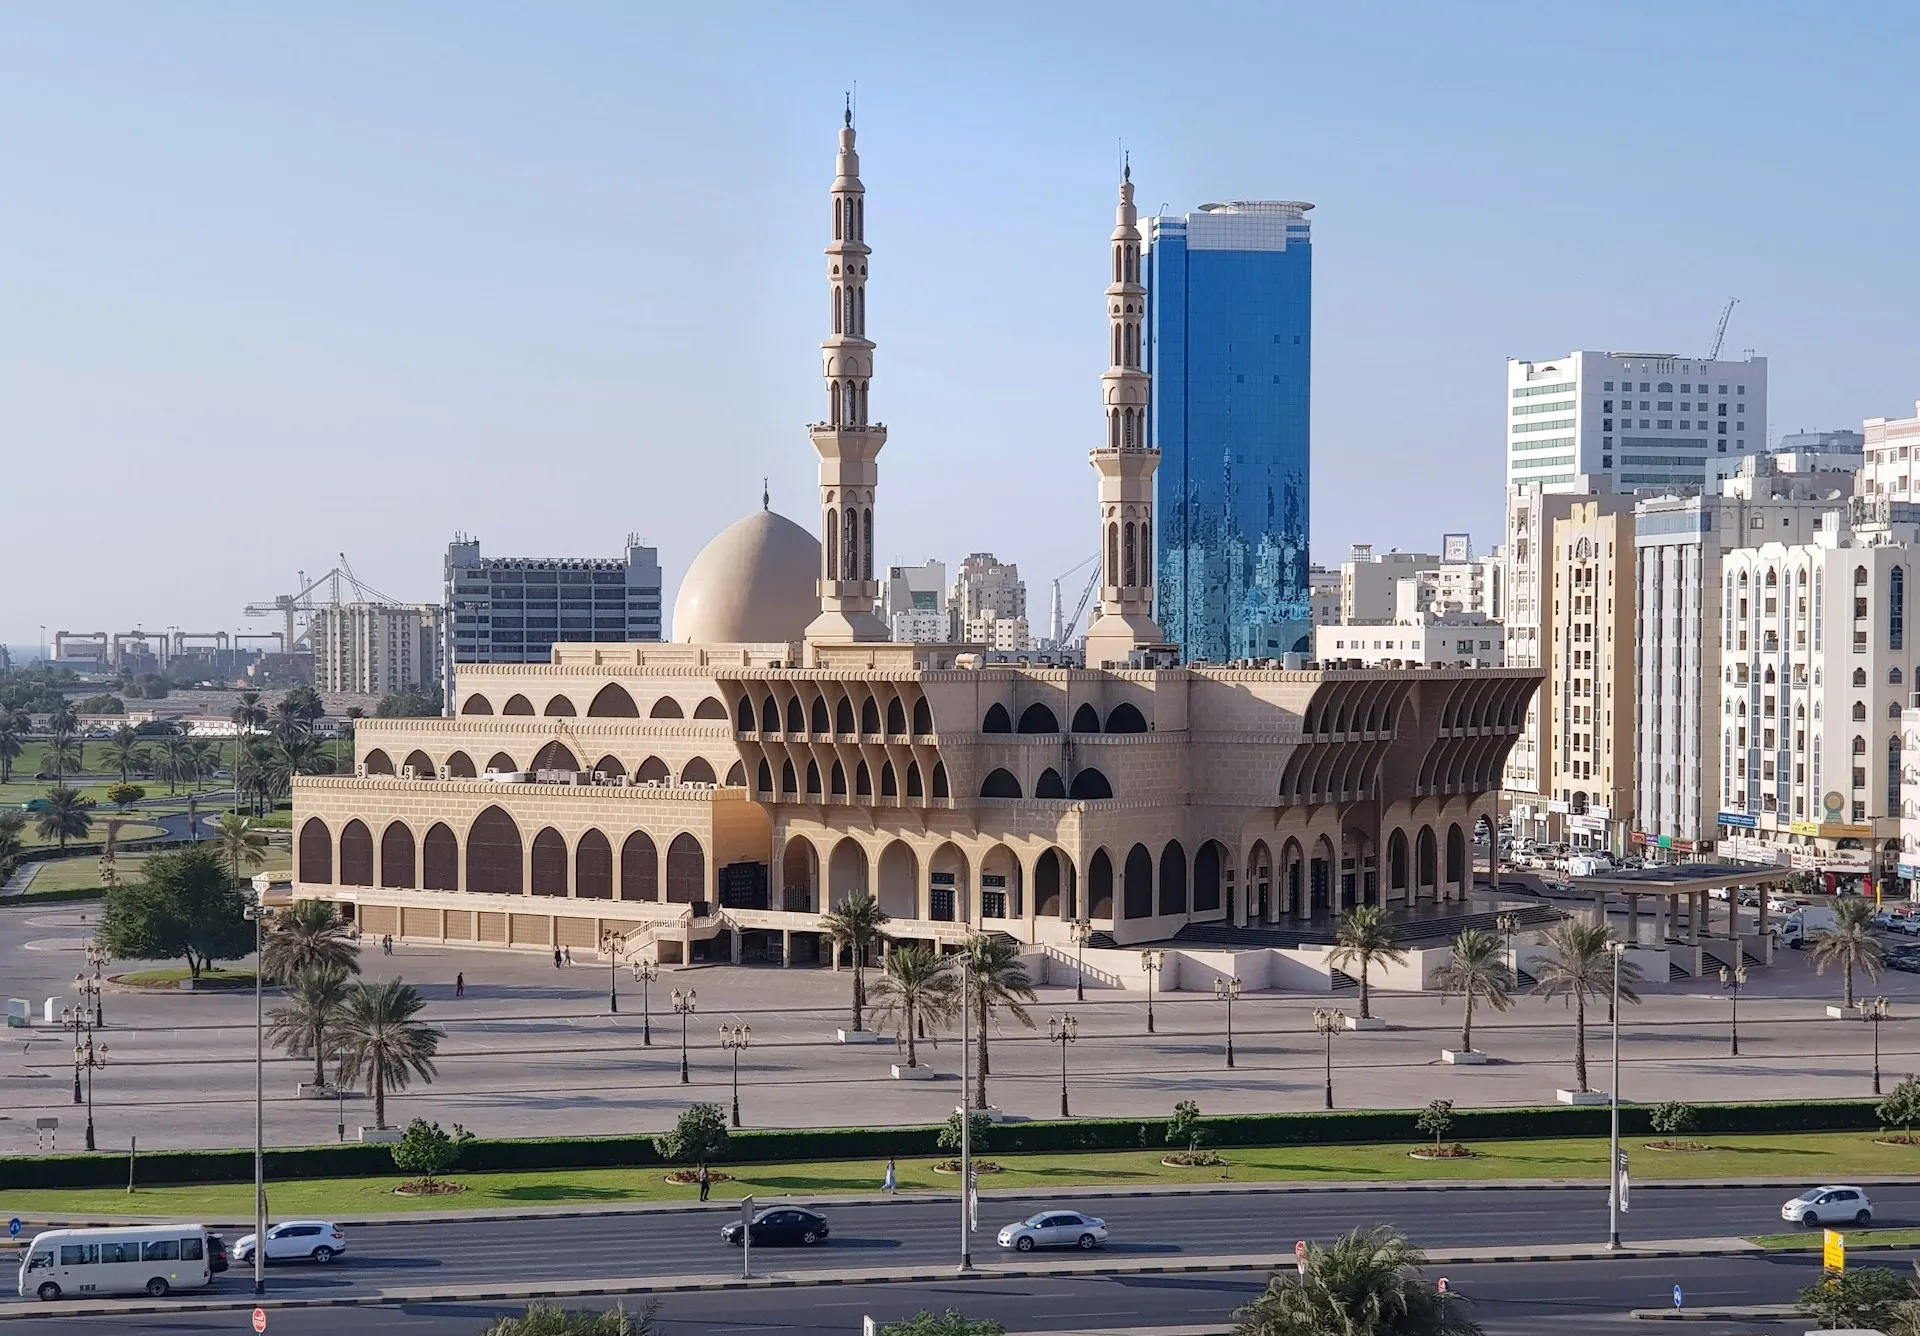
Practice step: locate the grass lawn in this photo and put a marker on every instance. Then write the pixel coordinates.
(1856, 1238)
(83, 872)
(1816, 1157)
(209, 978)
(131, 830)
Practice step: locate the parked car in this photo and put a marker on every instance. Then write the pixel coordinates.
(216, 1254)
(296, 1241)
(1054, 1229)
(1828, 1205)
(780, 1225)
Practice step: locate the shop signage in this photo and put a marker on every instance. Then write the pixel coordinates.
(1740, 820)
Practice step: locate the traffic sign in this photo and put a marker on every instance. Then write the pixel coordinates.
(1300, 1256)
(1679, 1296)
(13, 1227)
(259, 1319)
(1834, 1254)
(1442, 1287)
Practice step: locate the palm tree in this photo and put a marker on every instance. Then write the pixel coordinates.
(306, 1025)
(63, 755)
(249, 716)
(1580, 967)
(1364, 939)
(241, 844)
(12, 823)
(173, 764)
(63, 722)
(1367, 1283)
(199, 759)
(380, 1042)
(124, 753)
(1849, 943)
(995, 978)
(1479, 970)
(918, 986)
(68, 815)
(253, 777)
(309, 936)
(13, 740)
(858, 925)
(290, 720)
(296, 754)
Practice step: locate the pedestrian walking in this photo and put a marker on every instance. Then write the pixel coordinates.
(567, 951)
(556, 957)
(460, 984)
(706, 1182)
(892, 1184)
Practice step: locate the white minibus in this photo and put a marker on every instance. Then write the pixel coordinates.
(131, 1259)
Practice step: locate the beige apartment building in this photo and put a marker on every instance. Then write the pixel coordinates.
(1590, 680)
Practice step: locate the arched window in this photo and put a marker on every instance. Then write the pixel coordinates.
(1893, 677)
(763, 777)
(556, 755)
(560, 708)
(837, 308)
(922, 718)
(1859, 677)
(1896, 608)
(746, 718)
(502, 764)
(737, 775)
(940, 780)
(869, 717)
(517, 704)
(914, 788)
(1037, 718)
(997, 720)
(769, 716)
(1173, 879)
(796, 716)
(686, 870)
(1859, 709)
(1859, 746)
(822, 722)
(1893, 775)
(593, 867)
(639, 868)
(1049, 785)
(832, 545)
(813, 777)
(889, 781)
(493, 854)
(1090, 784)
(1100, 886)
(1136, 896)
(839, 779)
(843, 716)
(653, 770)
(378, 762)
(476, 705)
(1859, 575)
(1113, 553)
(1126, 718)
(422, 765)
(866, 544)
(613, 702)
(1146, 552)
(316, 852)
(667, 708)
(789, 781)
(396, 856)
(1129, 566)
(862, 781)
(1773, 578)
(440, 859)
(1000, 783)
(549, 863)
(356, 854)
(837, 234)
(711, 708)
(896, 718)
(697, 771)
(1086, 719)
(852, 561)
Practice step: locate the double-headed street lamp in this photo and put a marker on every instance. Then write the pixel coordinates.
(1228, 991)
(612, 946)
(97, 959)
(644, 973)
(91, 1056)
(75, 1018)
(1507, 925)
(684, 1004)
(1732, 980)
(1063, 1030)
(1150, 963)
(734, 1038)
(1082, 931)
(1329, 1021)
(1874, 1011)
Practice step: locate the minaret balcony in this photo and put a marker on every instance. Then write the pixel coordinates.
(877, 427)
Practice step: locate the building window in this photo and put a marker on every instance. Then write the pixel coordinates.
(1896, 608)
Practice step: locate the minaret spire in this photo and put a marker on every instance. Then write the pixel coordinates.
(848, 442)
(1126, 463)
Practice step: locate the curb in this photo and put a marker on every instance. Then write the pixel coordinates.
(922, 1276)
(1753, 1313)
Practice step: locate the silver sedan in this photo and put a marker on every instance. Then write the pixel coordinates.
(1054, 1229)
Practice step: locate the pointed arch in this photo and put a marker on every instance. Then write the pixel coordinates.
(922, 717)
(832, 546)
(1049, 785)
(997, 720)
(639, 868)
(940, 780)
(440, 859)
(502, 764)
(1090, 785)
(737, 775)
(1209, 874)
(745, 717)
(789, 781)
(1000, 783)
(1456, 855)
(517, 704)
(1086, 719)
(422, 764)
(896, 718)
(549, 863)
(889, 782)
(821, 720)
(1100, 886)
(769, 716)
(763, 777)
(396, 856)
(796, 716)
(653, 770)
(1173, 878)
(697, 771)
(556, 755)
(560, 708)
(593, 867)
(711, 708)
(869, 717)
(862, 781)
(1038, 718)
(316, 852)
(686, 870)
(494, 854)
(460, 766)
(1137, 884)
(476, 705)
(813, 777)
(1126, 718)
(914, 787)
(666, 708)
(378, 762)
(839, 780)
(843, 717)
(609, 767)
(612, 702)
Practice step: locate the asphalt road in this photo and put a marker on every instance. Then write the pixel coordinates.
(1553, 1299)
(908, 1233)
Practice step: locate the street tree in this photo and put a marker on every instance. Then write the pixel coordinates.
(124, 754)
(1901, 1107)
(699, 1136)
(1580, 965)
(1437, 1119)
(545, 1319)
(124, 796)
(13, 740)
(1848, 942)
(307, 1024)
(309, 935)
(953, 1322)
(426, 1151)
(1478, 972)
(382, 1044)
(1363, 940)
(242, 845)
(67, 815)
(182, 907)
(1867, 1298)
(918, 988)
(1366, 1283)
(996, 981)
(857, 925)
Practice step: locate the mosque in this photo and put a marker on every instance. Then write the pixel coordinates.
(711, 797)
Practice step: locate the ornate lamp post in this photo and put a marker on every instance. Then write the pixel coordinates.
(75, 1017)
(1507, 925)
(1150, 963)
(91, 1056)
(1329, 1021)
(1875, 1011)
(644, 973)
(1732, 979)
(613, 946)
(1082, 931)
(1063, 1030)
(97, 958)
(1228, 991)
(683, 1003)
(733, 1038)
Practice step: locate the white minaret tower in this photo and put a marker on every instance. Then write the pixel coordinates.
(848, 442)
(1126, 463)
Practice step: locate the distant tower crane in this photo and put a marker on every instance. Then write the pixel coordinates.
(1063, 627)
(1720, 334)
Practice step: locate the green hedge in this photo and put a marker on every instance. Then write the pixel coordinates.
(858, 1143)
(71, 893)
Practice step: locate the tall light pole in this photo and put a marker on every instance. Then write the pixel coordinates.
(1063, 1030)
(1875, 1011)
(1613, 1101)
(1228, 991)
(75, 1016)
(611, 945)
(683, 1003)
(92, 1056)
(644, 973)
(734, 1038)
(97, 957)
(1329, 1021)
(257, 911)
(1082, 931)
(1150, 963)
(1732, 979)
(1507, 925)
(966, 1128)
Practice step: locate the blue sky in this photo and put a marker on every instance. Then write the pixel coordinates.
(278, 282)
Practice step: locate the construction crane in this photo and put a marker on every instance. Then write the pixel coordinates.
(363, 593)
(1062, 629)
(292, 605)
(1720, 334)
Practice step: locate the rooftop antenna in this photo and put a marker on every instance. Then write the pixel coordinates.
(766, 501)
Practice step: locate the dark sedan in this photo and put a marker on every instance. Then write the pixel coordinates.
(780, 1225)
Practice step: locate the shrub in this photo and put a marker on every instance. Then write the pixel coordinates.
(543, 1319)
(1859, 1300)
(1436, 1120)
(1671, 1118)
(1184, 1129)
(426, 1151)
(950, 1323)
(979, 1131)
(1901, 1107)
(699, 1135)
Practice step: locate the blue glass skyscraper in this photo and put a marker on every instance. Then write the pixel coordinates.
(1229, 310)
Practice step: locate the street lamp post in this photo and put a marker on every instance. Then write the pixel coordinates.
(644, 973)
(966, 1130)
(611, 945)
(257, 911)
(1329, 1022)
(1507, 925)
(75, 1016)
(1150, 963)
(734, 1038)
(1228, 991)
(1875, 1011)
(1732, 979)
(1082, 931)
(1613, 1099)
(684, 1004)
(1063, 1030)
(92, 1056)
(97, 957)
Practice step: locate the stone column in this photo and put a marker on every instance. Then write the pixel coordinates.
(737, 935)
(1633, 919)
(786, 948)
(1733, 911)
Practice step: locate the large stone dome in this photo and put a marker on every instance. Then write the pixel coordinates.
(754, 583)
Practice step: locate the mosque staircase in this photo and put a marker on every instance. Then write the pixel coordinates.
(1425, 930)
(1344, 982)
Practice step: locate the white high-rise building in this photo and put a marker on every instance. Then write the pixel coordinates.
(1892, 466)
(1642, 420)
(915, 603)
(376, 649)
(985, 584)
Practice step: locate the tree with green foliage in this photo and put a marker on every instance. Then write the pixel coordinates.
(1366, 1283)
(13, 740)
(1849, 942)
(416, 702)
(307, 1023)
(1477, 971)
(124, 795)
(13, 825)
(996, 981)
(60, 756)
(1362, 941)
(242, 845)
(1436, 1119)
(699, 1136)
(382, 1043)
(545, 1319)
(103, 705)
(124, 754)
(858, 925)
(1671, 1118)
(61, 719)
(309, 935)
(249, 715)
(1901, 1107)
(67, 815)
(427, 1152)
(1582, 966)
(917, 987)
(183, 907)
(1867, 1298)
(1185, 1127)
(979, 1132)
(950, 1323)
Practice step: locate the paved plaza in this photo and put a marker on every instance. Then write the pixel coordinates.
(531, 1051)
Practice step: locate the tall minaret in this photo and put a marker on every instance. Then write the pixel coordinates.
(1126, 463)
(849, 444)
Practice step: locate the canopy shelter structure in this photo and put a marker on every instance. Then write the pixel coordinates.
(1689, 938)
